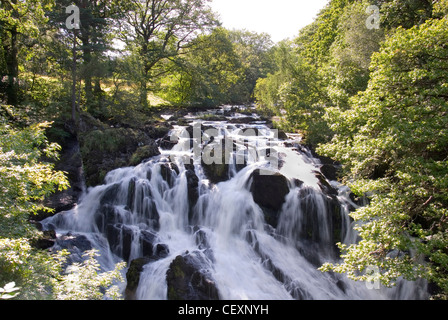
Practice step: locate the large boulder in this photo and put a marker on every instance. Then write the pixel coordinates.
(106, 149)
(120, 239)
(215, 160)
(269, 192)
(187, 279)
(144, 152)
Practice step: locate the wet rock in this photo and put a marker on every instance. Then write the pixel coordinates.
(147, 241)
(193, 189)
(215, 160)
(110, 195)
(120, 239)
(187, 279)
(133, 277)
(107, 214)
(269, 192)
(144, 153)
(169, 172)
(75, 244)
(45, 241)
(325, 185)
(162, 250)
(330, 171)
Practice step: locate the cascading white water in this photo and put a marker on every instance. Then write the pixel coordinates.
(148, 210)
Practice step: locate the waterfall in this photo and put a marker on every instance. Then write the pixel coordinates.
(258, 230)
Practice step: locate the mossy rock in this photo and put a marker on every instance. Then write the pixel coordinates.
(133, 277)
(143, 153)
(187, 280)
(104, 150)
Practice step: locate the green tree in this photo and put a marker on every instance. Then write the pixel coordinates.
(393, 143)
(254, 52)
(295, 93)
(85, 281)
(207, 74)
(404, 13)
(158, 30)
(19, 23)
(347, 70)
(25, 180)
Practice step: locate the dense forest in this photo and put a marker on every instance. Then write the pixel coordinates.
(365, 84)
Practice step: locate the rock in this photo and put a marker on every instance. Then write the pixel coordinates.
(324, 185)
(158, 130)
(162, 250)
(133, 277)
(330, 171)
(147, 240)
(70, 162)
(282, 135)
(269, 192)
(188, 280)
(110, 195)
(193, 189)
(166, 144)
(46, 240)
(120, 239)
(74, 243)
(106, 215)
(169, 171)
(144, 153)
(244, 120)
(215, 160)
(104, 150)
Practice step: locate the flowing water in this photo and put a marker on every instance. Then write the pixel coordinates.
(167, 207)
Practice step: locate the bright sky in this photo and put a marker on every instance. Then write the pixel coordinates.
(280, 18)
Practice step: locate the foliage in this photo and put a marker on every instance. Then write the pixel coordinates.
(25, 180)
(160, 30)
(347, 71)
(404, 13)
(8, 291)
(19, 29)
(294, 93)
(393, 142)
(220, 68)
(85, 281)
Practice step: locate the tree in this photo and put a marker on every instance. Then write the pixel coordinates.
(19, 21)
(220, 67)
(254, 51)
(350, 54)
(207, 74)
(295, 93)
(161, 29)
(88, 42)
(25, 180)
(393, 144)
(404, 13)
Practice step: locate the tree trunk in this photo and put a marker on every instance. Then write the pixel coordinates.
(144, 94)
(13, 70)
(73, 98)
(87, 57)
